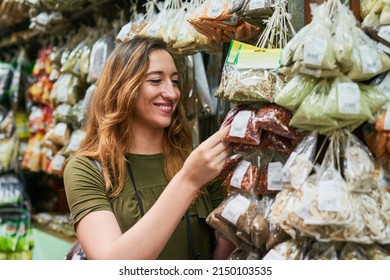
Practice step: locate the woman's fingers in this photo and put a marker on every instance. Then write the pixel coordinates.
(216, 138)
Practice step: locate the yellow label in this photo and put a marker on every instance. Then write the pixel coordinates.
(246, 56)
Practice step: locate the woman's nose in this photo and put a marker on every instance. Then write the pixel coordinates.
(170, 91)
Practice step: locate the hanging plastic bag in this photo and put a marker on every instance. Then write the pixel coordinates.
(270, 180)
(300, 163)
(331, 204)
(317, 48)
(311, 113)
(238, 210)
(100, 51)
(343, 39)
(368, 59)
(245, 174)
(359, 167)
(295, 91)
(344, 101)
(275, 119)
(252, 74)
(243, 128)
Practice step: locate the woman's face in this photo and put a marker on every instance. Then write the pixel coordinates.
(159, 92)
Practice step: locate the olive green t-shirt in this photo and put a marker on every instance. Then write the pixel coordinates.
(85, 191)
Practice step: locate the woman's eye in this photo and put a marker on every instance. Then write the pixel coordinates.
(175, 82)
(155, 81)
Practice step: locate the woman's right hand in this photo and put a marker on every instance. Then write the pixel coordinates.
(208, 159)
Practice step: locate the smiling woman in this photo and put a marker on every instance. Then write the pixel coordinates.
(135, 189)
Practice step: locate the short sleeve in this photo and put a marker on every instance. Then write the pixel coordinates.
(84, 187)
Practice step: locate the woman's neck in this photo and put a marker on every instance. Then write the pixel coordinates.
(148, 141)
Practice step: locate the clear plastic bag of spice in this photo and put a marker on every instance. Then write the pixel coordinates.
(245, 174)
(295, 91)
(344, 101)
(238, 210)
(317, 48)
(275, 119)
(311, 113)
(243, 128)
(254, 85)
(368, 59)
(270, 175)
(228, 71)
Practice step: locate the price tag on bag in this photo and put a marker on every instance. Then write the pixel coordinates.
(240, 123)
(274, 178)
(329, 196)
(256, 4)
(239, 174)
(235, 208)
(348, 98)
(384, 32)
(314, 51)
(216, 8)
(371, 62)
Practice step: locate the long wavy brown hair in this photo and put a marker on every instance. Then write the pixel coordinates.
(111, 114)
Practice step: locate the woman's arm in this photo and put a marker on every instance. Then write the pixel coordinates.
(99, 232)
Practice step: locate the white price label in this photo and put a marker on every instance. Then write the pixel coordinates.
(235, 208)
(239, 173)
(329, 195)
(57, 163)
(314, 51)
(384, 32)
(239, 124)
(216, 8)
(256, 4)
(274, 178)
(384, 86)
(75, 140)
(63, 109)
(60, 129)
(371, 62)
(348, 98)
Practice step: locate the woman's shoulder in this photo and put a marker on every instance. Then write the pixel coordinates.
(79, 163)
